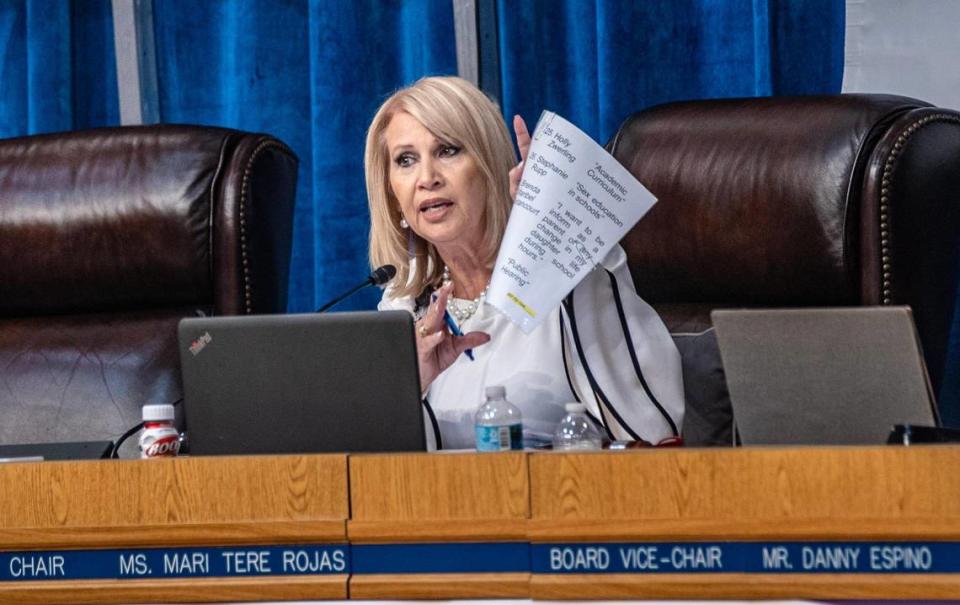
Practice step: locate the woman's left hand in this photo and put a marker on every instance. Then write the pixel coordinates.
(437, 348)
(523, 144)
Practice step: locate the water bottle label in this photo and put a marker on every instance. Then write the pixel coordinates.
(499, 438)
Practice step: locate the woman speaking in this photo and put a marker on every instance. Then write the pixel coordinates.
(441, 177)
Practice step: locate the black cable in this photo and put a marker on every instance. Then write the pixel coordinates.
(131, 431)
(434, 423)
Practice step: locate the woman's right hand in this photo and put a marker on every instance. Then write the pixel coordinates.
(437, 348)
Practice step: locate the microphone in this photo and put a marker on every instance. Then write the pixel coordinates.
(378, 277)
(382, 275)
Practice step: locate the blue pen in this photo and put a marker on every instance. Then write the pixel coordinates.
(455, 331)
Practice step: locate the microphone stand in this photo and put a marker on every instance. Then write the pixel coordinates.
(344, 295)
(380, 276)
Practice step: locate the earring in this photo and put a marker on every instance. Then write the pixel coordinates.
(411, 244)
(404, 224)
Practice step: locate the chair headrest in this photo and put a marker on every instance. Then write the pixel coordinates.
(108, 218)
(759, 198)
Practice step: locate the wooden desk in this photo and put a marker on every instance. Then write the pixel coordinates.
(482, 525)
(772, 495)
(184, 502)
(438, 498)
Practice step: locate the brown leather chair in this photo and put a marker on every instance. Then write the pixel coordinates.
(804, 201)
(107, 238)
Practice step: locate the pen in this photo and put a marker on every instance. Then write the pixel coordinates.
(455, 331)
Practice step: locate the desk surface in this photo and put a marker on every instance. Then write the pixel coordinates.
(679, 523)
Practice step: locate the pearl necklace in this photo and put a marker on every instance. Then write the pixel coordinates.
(462, 311)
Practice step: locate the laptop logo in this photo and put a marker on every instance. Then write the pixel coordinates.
(197, 345)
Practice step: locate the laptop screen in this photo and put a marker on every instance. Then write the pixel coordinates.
(823, 376)
(337, 382)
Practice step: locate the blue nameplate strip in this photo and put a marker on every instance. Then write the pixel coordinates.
(492, 557)
(470, 557)
(175, 563)
(747, 557)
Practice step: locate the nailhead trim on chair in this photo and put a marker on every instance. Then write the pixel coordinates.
(247, 289)
(885, 234)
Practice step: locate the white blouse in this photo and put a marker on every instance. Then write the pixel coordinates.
(647, 405)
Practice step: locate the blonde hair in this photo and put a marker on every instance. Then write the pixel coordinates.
(458, 113)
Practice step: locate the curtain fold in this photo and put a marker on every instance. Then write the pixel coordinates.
(57, 66)
(596, 62)
(242, 65)
(311, 73)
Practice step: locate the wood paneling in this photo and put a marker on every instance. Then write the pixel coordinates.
(744, 586)
(419, 497)
(747, 486)
(188, 534)
(172, 501)
(441, 586)
(459, 530)
(197, 590)
(550, 530)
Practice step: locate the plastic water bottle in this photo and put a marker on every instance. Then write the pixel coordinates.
(576, 431)
(159, 437)
(498, 423)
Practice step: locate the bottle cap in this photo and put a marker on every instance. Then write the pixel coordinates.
(575, 408)
(495, 391)
(158, 412)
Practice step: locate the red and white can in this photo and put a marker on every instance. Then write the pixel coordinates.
(159, 437)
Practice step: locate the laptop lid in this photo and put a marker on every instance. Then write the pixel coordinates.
(73, 450)
(337, 382)
(823, 376)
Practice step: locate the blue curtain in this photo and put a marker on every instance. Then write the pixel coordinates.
(596, 62)
(57, 66)
(312, 74)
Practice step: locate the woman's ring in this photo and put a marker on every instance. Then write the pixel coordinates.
(422, 329)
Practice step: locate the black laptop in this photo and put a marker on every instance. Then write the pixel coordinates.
(273, 384)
